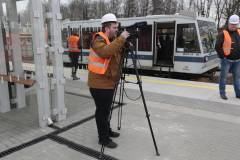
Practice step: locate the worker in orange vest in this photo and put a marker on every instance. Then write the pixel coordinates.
(74, 49)
(104, 72)
(228, 49)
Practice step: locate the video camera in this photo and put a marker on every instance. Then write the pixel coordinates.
(134, 34)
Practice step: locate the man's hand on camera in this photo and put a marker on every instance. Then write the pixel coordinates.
(125, 34)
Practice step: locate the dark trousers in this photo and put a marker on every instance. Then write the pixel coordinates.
(103, 100)
(74, 56)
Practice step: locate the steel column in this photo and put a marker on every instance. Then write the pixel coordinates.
(40, 62)
(59, 110)
(4, 93)
(16, 50)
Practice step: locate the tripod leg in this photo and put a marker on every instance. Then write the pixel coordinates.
(113, 101)
(120, 102)
(122, 85)
(133, 56)
(101, 157)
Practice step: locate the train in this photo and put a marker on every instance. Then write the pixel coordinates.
(180, 43)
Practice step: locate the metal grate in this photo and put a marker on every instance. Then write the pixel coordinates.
(80, 148)
(53, 136)
(22, 146)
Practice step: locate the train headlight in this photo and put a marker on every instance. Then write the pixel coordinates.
(205, 58)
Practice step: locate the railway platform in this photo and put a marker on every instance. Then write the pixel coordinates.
(189, 120)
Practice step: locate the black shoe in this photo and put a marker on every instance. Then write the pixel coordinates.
(75, 78)
(114, 134)
(108, 144)
(238, 97)
(223, 96)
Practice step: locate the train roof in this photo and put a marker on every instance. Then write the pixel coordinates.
(183, 16)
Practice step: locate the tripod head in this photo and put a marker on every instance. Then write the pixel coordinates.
(132, 29)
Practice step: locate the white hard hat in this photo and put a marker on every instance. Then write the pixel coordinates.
(109, 18)
(234, 19)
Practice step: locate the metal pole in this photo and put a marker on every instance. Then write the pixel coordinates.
(40, 62)
(81, 42)
(59, 109)
(16, 50)
(4, 94)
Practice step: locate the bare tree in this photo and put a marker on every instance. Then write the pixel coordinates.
(75, 9)
(102, 7)
(130, 8)
(170, 7)
(78, 10)
(158, 6)
(220, 5)
(232, 7)
(65, 11)
(181, 4)
(143, 7)
(165, 6)
(202, 7)
(115, 7)
(208, 7)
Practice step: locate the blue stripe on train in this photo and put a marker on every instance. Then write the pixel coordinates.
(176, 58)
(189, 59)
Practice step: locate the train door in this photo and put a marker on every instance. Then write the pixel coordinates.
(188, 56)
(164, 34)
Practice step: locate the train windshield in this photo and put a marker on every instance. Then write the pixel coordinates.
(187, 39)
(208, 34)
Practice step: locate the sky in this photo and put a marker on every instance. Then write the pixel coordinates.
(21, 5)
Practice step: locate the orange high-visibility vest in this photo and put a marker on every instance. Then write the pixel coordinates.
(227, 44)
(73, 43)
(97, 64)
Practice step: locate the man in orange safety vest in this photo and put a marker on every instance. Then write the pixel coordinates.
(74, 50)
(104, 72)
(228, 49)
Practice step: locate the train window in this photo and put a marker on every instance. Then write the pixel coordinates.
(75, 30)
(64, 37)
(208, 34)
(187, 40)
(86, 38)
(145, 39)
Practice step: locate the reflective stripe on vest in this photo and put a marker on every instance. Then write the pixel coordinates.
(97, 64)
(227, 44)
(73, 44)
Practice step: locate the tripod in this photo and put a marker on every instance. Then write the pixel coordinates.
(129, 49)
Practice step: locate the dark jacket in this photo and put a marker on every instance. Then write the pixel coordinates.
(114, 49)
(235, 52)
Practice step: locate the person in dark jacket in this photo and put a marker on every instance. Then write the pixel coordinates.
(228, 49)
